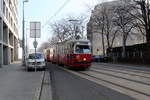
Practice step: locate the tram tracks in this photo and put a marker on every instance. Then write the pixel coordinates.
(129, 90)
(115, 84)
(119, 81)
(121, 76)
(123, 72)
(123, 67)
(134, 88)
(131, 72)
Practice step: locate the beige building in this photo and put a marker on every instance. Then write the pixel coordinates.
(8, 31)
(94, 33)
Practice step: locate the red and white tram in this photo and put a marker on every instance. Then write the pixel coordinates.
(73, 53)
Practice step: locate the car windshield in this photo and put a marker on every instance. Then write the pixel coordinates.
(83, 49)
(37, 56)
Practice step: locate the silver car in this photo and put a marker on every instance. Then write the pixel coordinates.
(36, 61)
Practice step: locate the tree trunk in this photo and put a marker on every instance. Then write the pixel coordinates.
(103, 43)
(147, 36)
(108, 42)
(124, 47)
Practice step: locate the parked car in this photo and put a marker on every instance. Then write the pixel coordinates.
(99, 58)
(36, 61)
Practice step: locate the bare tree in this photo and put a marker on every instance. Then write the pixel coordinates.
(67, 28)
(76, 27)
(52, 41)
(43, 46)
(124, 21)
(143, 8)
(60, 31)
(110, 30)
(104, 20)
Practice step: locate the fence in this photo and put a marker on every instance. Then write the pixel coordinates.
(138, 53)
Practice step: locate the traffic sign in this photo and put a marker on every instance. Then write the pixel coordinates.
(35, 29)
(35, 43)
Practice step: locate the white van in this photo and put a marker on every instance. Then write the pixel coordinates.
(36, 61)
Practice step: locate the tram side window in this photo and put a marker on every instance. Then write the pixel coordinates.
(70, 49)
(62, 50)
(67, 49)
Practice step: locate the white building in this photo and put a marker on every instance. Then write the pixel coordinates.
(8, 31)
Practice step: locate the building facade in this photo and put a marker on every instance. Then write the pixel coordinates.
(94, 31)
(8, 31)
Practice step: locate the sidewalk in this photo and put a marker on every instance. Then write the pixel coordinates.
(18, 84)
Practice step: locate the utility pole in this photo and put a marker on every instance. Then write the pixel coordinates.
(23, 35)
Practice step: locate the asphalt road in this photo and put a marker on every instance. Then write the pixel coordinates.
(67, 86)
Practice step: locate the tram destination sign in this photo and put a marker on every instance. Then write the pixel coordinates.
(35, 29)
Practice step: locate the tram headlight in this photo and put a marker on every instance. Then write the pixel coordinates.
(84, 59)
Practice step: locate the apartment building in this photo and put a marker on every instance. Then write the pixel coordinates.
(8, 31)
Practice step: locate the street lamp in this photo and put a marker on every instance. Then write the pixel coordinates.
(23, 36)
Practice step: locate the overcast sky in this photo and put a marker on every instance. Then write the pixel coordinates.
(46, 11)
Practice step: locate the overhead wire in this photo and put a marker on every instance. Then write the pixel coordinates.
(58, 11)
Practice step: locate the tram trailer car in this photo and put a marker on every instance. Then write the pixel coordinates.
(51, 54)
(74, 53)
(48, 54)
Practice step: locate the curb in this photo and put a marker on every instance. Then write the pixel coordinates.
(46, 93)
(39, 89)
